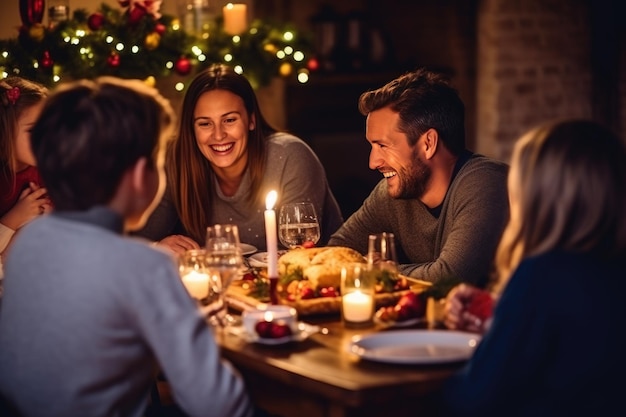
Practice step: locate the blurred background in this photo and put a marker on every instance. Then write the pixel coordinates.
(516, 63)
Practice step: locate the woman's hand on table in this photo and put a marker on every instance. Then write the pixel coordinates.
(468, 308)
(178, 244)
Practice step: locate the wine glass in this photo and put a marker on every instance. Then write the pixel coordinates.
(298, 224)
(223, 259)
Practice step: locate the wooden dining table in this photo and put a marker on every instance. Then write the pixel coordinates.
(320, 377)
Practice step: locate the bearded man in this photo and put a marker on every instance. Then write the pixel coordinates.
(446, 206)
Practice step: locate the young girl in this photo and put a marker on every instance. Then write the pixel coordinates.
(22, 196)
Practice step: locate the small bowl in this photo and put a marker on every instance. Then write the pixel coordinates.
(269, 312)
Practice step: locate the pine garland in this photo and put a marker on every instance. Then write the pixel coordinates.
(115, 42)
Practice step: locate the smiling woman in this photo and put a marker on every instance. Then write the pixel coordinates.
(225, 160)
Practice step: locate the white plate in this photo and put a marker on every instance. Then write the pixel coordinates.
(304, 331)
(415, 346)
(247, 249)
(259, 259)
(399, 324)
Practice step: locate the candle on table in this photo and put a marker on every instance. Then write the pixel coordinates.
(235, 18)
(271, 237)
(357, 306)
(197, 284)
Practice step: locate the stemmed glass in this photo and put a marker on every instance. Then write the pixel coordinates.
(224, 259)
(298, 224)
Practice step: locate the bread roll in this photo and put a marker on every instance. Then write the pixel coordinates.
(321, 266)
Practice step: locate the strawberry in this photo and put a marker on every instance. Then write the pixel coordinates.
(481, 305)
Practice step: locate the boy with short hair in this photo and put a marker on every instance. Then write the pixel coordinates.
(88, 316)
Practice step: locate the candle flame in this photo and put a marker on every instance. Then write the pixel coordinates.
(270, 200)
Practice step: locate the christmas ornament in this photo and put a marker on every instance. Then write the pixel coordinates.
(95, 21)
(31, 11)
(313, 64)
(152, 41)
(183, 66)
(46, 60)
(113, 60)
(37, 32)
(285, 69)
(160, 28)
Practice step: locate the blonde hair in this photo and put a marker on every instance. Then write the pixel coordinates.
(565, 192)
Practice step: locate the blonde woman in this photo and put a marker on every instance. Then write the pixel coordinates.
(555, 344)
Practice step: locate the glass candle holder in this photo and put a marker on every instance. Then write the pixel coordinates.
(357, 295)
(202, 283)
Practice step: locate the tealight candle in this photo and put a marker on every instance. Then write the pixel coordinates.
(357, 295)
(357, 306)
(197, 284)
(235, 18)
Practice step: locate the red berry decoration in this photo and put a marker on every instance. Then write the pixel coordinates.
(183, 66)
(46, 61)
(160, 28)
(308, 244)
(113, 60)
(95, 21)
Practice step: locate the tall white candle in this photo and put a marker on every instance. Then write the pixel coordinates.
(235, 18)
(357, 306)
(197, 284)
(271, 238)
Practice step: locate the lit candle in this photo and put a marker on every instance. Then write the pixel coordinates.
(197, 284)
(235, 18)
(271, 238)
(357, 306)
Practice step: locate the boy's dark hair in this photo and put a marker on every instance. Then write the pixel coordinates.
(90, 132)
(424, 100)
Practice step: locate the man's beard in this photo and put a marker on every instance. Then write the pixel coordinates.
(413, 179)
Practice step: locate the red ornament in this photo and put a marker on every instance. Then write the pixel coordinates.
(46, 61)
(31, 11)
(160, 28)
(113, 60)
(313, 64)
(183, 66)
(95, 21)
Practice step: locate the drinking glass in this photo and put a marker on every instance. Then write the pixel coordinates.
(203, 286)
(223, 259)
(298, 224)
(381, 253)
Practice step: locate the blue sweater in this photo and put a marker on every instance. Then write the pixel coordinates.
(87, 318)
(556, 347)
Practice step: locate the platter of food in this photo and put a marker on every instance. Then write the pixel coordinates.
(309, 281)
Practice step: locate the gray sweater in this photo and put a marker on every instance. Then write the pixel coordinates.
(293, 170)
(88, 316)
(460, 243)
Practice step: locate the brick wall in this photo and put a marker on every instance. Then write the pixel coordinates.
(533, 64)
